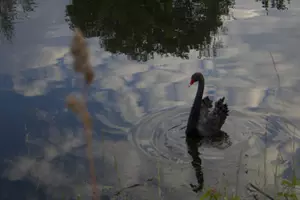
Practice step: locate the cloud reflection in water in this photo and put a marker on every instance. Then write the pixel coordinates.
(125, 91)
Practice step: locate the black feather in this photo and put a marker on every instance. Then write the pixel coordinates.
(212, 120)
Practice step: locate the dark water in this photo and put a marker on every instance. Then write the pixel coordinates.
(143, 54)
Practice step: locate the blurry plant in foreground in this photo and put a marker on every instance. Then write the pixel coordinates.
(82, 65)
(287, 192)
(288, 189)
(213, 194)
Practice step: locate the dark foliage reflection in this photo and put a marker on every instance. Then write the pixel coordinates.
(10, 12)
(140, 28)
(278, 4)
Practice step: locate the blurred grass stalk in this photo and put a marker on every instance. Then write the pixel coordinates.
(82, 65)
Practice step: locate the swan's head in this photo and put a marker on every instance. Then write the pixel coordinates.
(197, 77)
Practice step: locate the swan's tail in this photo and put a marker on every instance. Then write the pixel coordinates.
(221, 111)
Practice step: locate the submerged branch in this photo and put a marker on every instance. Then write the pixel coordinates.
(132, 186)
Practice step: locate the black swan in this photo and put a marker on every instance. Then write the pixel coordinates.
(204, 120)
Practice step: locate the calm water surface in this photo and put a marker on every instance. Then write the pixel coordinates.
(140, 100)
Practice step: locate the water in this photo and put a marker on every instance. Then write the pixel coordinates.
(140, 109)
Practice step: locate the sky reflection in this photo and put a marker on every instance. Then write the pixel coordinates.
(36, 75)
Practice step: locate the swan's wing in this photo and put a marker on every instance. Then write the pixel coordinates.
(217, 117)
(206, 105)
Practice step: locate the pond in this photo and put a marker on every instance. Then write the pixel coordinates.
(143, 54)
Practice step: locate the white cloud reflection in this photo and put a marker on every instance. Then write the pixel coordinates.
(243, 72)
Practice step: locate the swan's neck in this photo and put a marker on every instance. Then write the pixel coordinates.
(195, 110)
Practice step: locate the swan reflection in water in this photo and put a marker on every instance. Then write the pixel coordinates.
(220, 141)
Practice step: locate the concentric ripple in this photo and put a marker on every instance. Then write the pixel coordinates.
(161, 135)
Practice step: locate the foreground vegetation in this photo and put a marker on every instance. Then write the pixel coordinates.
(287, 192)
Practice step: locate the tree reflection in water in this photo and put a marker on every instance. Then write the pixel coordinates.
(278, 4)
(221, 141)
(142, 28)
(10, 11)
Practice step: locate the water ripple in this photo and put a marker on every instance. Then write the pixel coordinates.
(160, 135)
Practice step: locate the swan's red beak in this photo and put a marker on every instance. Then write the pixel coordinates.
(191, 82)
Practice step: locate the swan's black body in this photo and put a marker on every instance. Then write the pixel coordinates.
(204, 120)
